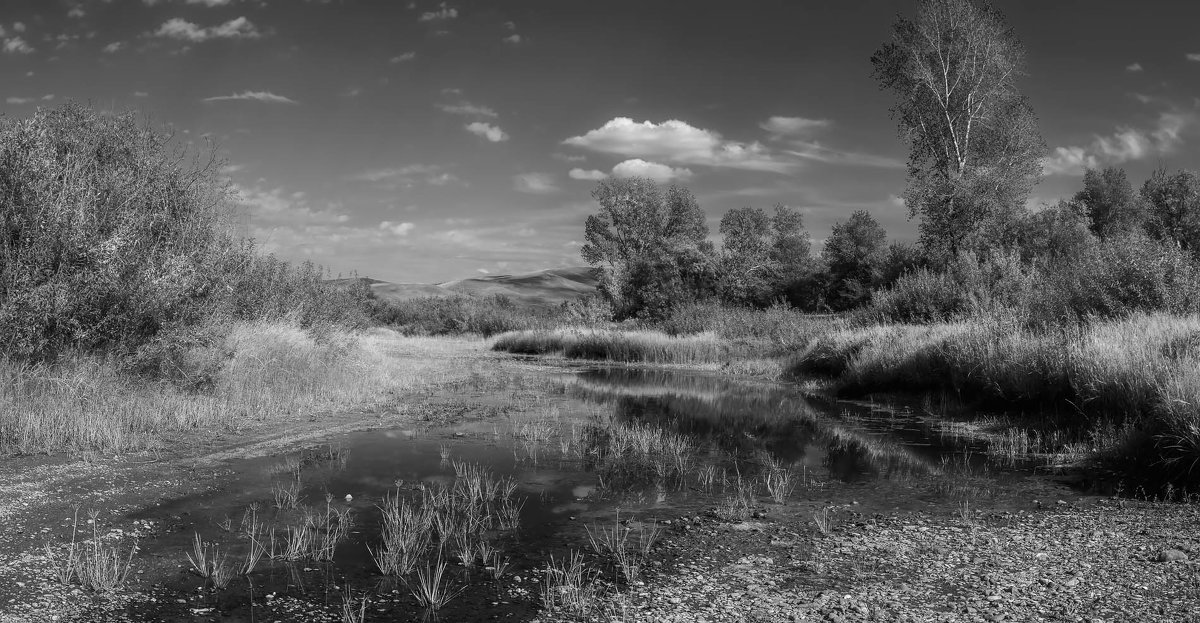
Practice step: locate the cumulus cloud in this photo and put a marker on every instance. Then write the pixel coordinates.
(442, 13)
(468, 109)
(113, 47)
(1194, 57)
(396, 229)
(1123, 145)
(534, 183)
(16, 45)
(183, 30)
(254, 96)
(678, 142)
(660, 173)
(513, 38)
(1134, 67)
(403, 58)
(76, 12)
(588, 174)
(486, 130)
(791, 126)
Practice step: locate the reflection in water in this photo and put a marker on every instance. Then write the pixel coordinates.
(744, 419)
(646, 443)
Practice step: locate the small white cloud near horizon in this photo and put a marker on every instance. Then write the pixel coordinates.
(407, 176)
(534, 183)
(397, 229)
(16, 45)
(486, 130)
(594, 175)
(113, 47)
(443, 13)
(1134, 67)
(183, 30)
(1123, 145)
(468, 109)
(256, 96)
(680, 143)
(402, 58)
(660, 173)
(513, 39)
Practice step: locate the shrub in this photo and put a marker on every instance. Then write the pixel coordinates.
(110, 231)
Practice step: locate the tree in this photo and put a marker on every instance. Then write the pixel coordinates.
(855, 255)
(1056, 234)
(652, 246)
(762, 257)
(1109, 202)
(974, 146)
(1173, 203)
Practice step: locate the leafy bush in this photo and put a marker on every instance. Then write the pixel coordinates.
(109, 232)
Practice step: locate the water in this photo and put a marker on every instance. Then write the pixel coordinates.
(854, 454)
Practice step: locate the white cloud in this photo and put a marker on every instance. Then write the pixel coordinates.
(591, 174)
(660, 173)
(76, 12)
(568, 157)
(510, 25)
(234, 29)
(1194, 57)
(812, 150)
(113, 47)
(790, 126)
(18, 26)
(534, 183)
(443, 13)
(678, 142)
(513, 38)
(183, 30)
(141, 94)
(1123, 145)
(407, 176)
(487, 130)
(277, 206)
(20, 100)
(16, 45)
(1135, 67)
(397, 229)
(403, 58)
(256, 96)
(468, 109)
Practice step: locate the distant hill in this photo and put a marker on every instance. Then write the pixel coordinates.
(541, 289)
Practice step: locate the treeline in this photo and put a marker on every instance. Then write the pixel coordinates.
(1108, 251)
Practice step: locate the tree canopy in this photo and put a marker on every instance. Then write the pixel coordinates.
(975, 148)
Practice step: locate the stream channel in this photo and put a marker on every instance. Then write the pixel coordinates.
(567, 471)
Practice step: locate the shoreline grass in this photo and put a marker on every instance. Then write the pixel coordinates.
(1133, 382)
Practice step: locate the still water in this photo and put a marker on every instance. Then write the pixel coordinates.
(566, 466)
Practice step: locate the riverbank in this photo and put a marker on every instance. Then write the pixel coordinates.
(937, 545)
(1120, 397)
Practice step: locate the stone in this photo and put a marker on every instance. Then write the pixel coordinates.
(1171, 555)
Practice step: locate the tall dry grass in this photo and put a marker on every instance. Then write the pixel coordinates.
(1141, 373)
(274, 369)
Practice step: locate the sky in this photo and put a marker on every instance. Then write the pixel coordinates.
(427, 141)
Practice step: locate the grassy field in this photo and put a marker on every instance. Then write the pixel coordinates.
(271, 371)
